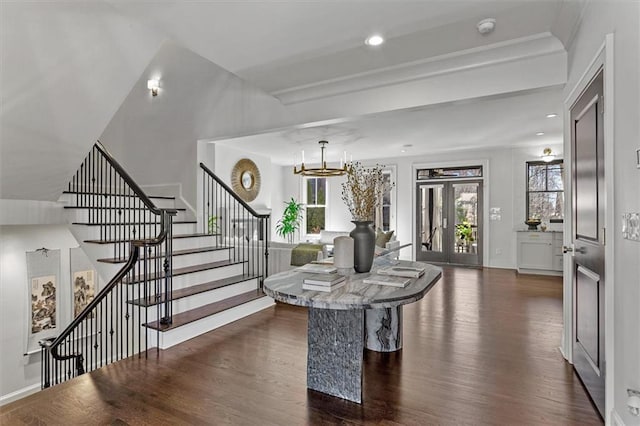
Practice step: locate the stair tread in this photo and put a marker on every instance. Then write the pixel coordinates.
(160, 197)
(207, 310)
(195, 235)
(195, 289)
(187, 270)
(175, 222)
(175, 253)
(118, 208)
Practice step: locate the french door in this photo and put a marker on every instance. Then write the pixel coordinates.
(449, 222)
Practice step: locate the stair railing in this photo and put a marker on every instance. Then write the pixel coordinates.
(236, 224)
(111, 327)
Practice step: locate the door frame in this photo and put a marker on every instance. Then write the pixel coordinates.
(602, 59)
(485, 195)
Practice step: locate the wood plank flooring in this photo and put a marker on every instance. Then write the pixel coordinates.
(480, 348)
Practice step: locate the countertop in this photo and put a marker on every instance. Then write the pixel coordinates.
(287, 287)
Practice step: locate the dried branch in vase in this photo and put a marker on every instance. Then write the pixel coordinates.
(363, 190)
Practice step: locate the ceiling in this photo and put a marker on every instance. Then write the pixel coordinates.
(285, 46)
(278, 45)
(500, 121)
(64, 60)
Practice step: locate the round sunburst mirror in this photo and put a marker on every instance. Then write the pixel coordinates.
(245, 179)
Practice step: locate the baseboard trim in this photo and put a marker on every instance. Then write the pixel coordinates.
(616, 420)
(19, 394)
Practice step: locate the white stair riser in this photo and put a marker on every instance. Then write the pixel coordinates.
(185, 260)
(196, 328)
(182, 261)
(187, 280)
(110, 232)
(113, 201)
(104, 251)
(193, 242)
(197, 300)
(111, 216)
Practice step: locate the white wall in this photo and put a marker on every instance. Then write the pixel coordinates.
(623, 20)
(156, 138)
(504, 188)
(20, 374)
(66, 67)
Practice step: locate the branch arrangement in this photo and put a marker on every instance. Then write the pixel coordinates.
(363, 190)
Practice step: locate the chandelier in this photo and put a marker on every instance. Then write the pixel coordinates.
(323, 170)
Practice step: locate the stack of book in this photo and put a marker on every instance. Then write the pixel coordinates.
(316, 268)
(402, 271)
(323, 282)
(387, 280)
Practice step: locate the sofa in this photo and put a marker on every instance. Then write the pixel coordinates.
(280, 253)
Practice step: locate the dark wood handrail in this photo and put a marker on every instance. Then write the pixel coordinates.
(129, 181)
(133, 258)
(233, 194)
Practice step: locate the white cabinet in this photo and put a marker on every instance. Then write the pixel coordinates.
(540, 252)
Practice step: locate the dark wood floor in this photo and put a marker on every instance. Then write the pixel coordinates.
(480, 348)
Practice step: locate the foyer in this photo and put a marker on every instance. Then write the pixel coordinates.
(484, 351)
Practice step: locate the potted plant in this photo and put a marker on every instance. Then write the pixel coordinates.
(464, 232)
(290, 221)
(362, 192)
(212, 224)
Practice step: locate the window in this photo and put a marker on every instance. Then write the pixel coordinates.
(545, 190)
(450, 173)
(316, 198)
(383, 211)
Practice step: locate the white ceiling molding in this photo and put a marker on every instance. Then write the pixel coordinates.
(506, 120)
(539, 45)
(489, 80)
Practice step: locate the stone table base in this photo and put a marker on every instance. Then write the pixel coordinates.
(334, 356)
(383, 329)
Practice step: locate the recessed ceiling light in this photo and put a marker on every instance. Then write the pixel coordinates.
(552, 115)
(374, 40)
(403, 150)
(540, 134)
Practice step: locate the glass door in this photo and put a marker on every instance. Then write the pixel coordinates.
(449, 228)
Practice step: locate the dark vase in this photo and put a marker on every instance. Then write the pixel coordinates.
(364, 245)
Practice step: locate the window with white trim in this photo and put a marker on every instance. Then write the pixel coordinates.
(316, 204)
(383, 210)
(545, 190)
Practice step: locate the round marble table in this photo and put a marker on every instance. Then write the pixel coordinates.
(342, 320)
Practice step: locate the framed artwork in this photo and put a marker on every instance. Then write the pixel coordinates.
(43, 303)
(42, 297)
(84, 290)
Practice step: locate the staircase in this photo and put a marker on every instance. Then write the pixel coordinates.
(211, 277)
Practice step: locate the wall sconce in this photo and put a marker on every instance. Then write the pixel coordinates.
(153, 85)
(548, 155)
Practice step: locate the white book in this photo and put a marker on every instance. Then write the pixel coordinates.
(317, 268)
(387, 280)
(402, 271)
(323, 288)
(324, 279)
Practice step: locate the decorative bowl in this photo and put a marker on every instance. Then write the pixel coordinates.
(533, 224)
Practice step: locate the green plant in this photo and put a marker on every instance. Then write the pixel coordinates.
(291, 220)
(212, 224)
(464, 232)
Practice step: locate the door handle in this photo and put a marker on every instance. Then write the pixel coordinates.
(444, 223)
(573, 249)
